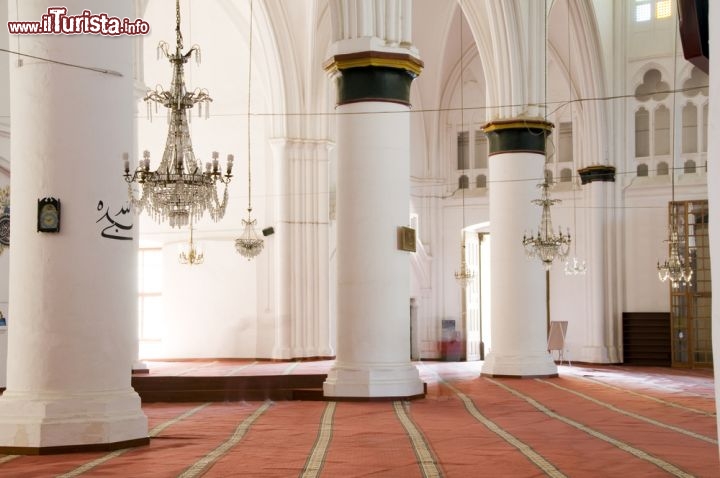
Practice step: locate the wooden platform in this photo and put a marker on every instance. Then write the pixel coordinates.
(231, 388)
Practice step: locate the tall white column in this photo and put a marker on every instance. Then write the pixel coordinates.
(373, 200)
(518, 295)
(599, 180)
(301, 261)
(73, 293)
(373, 349)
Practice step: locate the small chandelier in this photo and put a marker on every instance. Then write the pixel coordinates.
(179, 190)
(575, 266)
(673, 268)
(249, 244)
(465, 276)
(546, 245)
(190, 253)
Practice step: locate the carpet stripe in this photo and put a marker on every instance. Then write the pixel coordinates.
(316, 460)
(109, 456)
(292, 367)
(662, 464)
(237, 369)
(632, 414)
(198, 468)
(427, 460)
(534, 457)
(649, 397)
(205, 365)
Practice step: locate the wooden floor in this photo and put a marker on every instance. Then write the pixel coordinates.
(591, 421)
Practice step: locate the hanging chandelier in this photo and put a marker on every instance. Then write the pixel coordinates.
(546, 245)
(673, 268)
(575, 266)
(179, 189)
(190, 253)
(465, 275)
(249, 244)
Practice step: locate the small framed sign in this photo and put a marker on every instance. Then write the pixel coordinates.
(406, 239)
(48, 216)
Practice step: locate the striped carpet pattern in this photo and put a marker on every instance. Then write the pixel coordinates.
(589, 422)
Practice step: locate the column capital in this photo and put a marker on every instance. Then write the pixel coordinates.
(517, 135)
(599, 172)
(374, 76)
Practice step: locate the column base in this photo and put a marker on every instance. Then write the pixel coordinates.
(376, 381)
(521, 366)
(32, 423)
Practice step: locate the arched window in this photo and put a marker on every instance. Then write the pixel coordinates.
(690, 167)
(642, 133)
(481, 181)
(642, 170)
(548, 176)
(662, 130)
(689, 129)
(481, 150)
(705, 127)
(565, 175)
(463, 150)
(463, 182)
(662, 169)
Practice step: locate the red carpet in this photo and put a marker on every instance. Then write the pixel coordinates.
(589, 422)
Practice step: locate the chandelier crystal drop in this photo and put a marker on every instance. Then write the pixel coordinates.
(546, 245)
(191, 253)
(179, 190)
(673, 268)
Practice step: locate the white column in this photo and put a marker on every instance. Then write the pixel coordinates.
(595, 349)
(373, 350)
(518, 304)
(73, 294)
(301, 261)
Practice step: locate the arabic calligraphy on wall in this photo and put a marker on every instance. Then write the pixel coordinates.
(4, 218)
(117, 226)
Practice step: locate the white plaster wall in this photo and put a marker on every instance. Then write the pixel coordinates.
(207, 313)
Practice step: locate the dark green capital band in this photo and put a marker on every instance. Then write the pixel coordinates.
(517, 136)
(597, 173)
(374, 76)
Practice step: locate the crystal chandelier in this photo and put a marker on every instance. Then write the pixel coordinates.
(465, 275)
(190, 253)
(249, 244)
(546, 245)
(179, 190)
(575, 266)
(673, 268)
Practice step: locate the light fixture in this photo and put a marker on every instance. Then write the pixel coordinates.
(673, 268)
(573, 266)
(465, 275)
(249, 244)
(546, 245)
(191, 253)
(179, 190)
